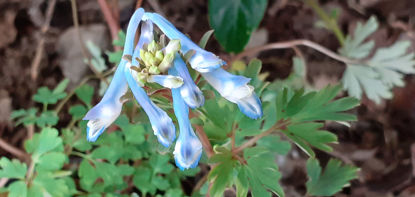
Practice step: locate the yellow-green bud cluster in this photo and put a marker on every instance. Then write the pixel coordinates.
(155, 59)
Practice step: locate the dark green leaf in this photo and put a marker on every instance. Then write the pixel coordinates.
(235, 20)
(331, 181)
(85, 93)
(77, 111)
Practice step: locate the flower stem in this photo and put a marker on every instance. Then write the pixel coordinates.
(278, 126)
(294, 43)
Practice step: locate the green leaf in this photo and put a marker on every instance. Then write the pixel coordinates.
(106, 152)
(235, 20)
(218, 120)
(375, 76)
(52, 161)
(85, 93)
(205, 38)
(317, 106)
(331, 181)
(142, 180)
(17, 189)
(28, 117)
(87, 174)
(77, 111)
(301, 109)
(134, 133)
(306, 134)
(51, 186)
(221, 176)
(97, 60)
(114, 57)
(262, 172)
(45, 141)
(60, 88)
(160, 164)
(121, 39)
(18, 113)
(275, 144)
(44, 95)
(12, 169)
(47, 118)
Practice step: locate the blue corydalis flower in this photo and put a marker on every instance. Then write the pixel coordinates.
(202, 60)
(109, 108)
(188, 149)
(235, 89)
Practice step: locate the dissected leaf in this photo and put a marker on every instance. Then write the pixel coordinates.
(44, 95)
(377, 75)
(302, 109)
(262, 172)
(331, 180)
(12, 169)
(221, 176)
(45, 141)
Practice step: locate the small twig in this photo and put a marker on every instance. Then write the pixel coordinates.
(30, 172)
(294, 43)
(13, 150)
(205, 141)
(200, 183)
(138, 4)
(3, 182)
(113, 25)
(30, 131)
(34, 71)
(83, 48)
(279, 125)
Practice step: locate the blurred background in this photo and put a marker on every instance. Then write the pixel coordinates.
(40, 45)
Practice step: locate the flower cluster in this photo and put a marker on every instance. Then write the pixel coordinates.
(156, 62)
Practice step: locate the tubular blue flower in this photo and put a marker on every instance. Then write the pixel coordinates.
(109, 108)
(188, 149)
(161, 123)
(190, 93)
(202, 60)
(235, 88)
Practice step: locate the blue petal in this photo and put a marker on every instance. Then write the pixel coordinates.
(230, 86)
(93, 137)
(202, 60)
(235, 88)
(189, 91)
(167, 81)
(251, 106)
(109, 108)
(161, 123)
(146, 37)
(188, 149)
